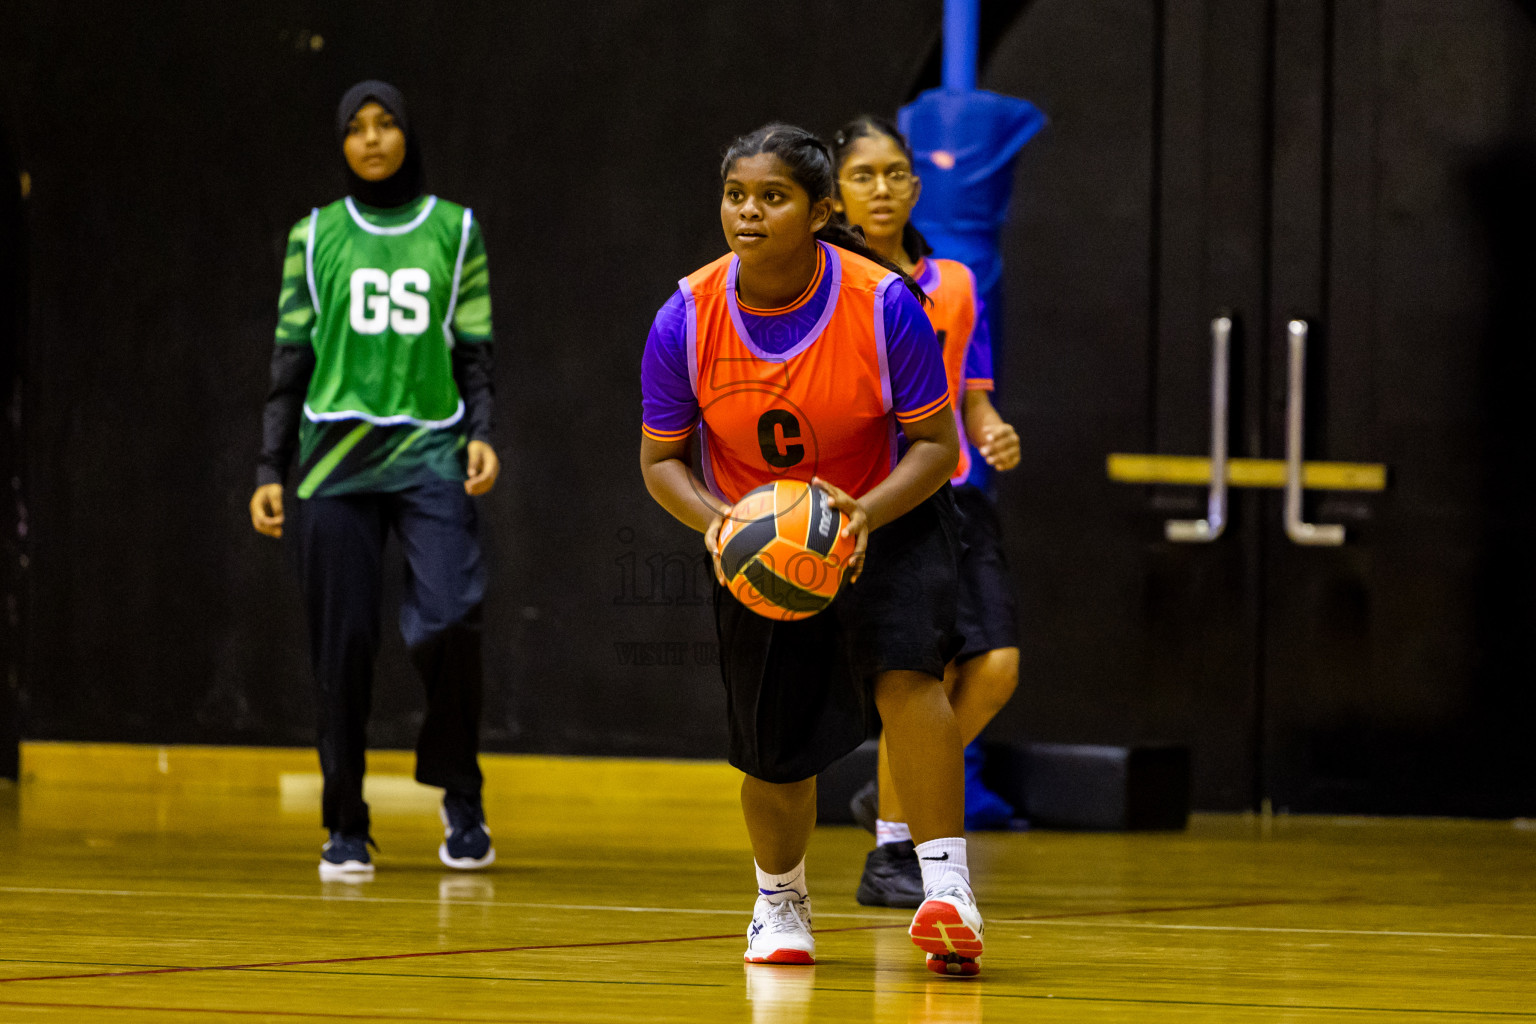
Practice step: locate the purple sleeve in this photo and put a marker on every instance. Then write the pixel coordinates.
(918, 385)
(669, 408)
(978, 355)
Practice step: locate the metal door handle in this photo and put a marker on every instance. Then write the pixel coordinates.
(1203, 531)
(1309, 534)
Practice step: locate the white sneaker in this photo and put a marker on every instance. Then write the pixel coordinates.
(781, 933)
(948, 928)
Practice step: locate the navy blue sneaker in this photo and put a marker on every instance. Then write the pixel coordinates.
(345, 858)
(466, 842)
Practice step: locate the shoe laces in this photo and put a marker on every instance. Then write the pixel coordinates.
(955, 891)
(786, 916)
(355, 846)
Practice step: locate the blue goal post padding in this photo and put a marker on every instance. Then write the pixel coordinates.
(964, 143)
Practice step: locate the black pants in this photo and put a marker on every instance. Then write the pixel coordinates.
(341, 544)
(800, 695)
(986, 612)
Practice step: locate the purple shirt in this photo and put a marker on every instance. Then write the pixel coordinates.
(978, 354)
(670, 409)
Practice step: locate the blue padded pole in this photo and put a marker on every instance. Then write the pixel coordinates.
(960, 32)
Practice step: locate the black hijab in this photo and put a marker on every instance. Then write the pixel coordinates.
(406, 183)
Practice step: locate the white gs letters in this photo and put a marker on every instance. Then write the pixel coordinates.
(370, 304)
(407, 290)
(374, 292)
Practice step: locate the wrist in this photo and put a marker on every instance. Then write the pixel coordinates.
(874, 514)
(976, 426)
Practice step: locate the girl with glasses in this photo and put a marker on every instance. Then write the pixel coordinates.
(877, 190)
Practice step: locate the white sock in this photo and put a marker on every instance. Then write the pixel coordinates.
(940, 857)
(891, 832)
(789, 885)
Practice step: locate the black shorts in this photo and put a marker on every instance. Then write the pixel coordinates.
(987, 615)
(800, 695)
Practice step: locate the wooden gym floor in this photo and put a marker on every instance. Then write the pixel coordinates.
(146, 884)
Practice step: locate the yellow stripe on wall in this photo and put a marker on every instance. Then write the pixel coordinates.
(1195, 470)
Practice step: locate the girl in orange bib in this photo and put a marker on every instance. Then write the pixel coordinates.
(876, 193)
(800, 355)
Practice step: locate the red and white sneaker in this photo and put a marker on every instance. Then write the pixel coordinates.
(948, 928)
(781, 933)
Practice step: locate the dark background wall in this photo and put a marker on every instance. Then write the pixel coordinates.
(1365, 166)
(170, 151)
(13, 292)
(1354, 165)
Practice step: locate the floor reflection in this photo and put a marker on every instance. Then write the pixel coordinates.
(903, 997)
(780, 994)
(345, 887)
(463, 899)
(466, 887)
(786, 995)
(944, 1002)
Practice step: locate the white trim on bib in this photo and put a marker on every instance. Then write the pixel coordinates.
(398, 229)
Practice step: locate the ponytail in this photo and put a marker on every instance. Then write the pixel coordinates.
(840, 233)
(810, 165)
(914, 243)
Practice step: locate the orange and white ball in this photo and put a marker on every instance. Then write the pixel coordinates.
(782, 550)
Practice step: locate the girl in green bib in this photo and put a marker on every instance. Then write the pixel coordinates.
(381, 379)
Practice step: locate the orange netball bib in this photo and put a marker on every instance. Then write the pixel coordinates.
(820, 408)
(953, 315)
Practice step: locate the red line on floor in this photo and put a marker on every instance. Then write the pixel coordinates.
(381, 956)
(412, 956)
(592, 945)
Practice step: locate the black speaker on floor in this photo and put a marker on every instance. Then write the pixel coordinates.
(1080, 786)
(1053, 785)
(836, 786)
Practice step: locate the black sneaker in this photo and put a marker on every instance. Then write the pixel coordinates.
(345, 858)
(892, 877)
(865, 805)
(467, 842)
